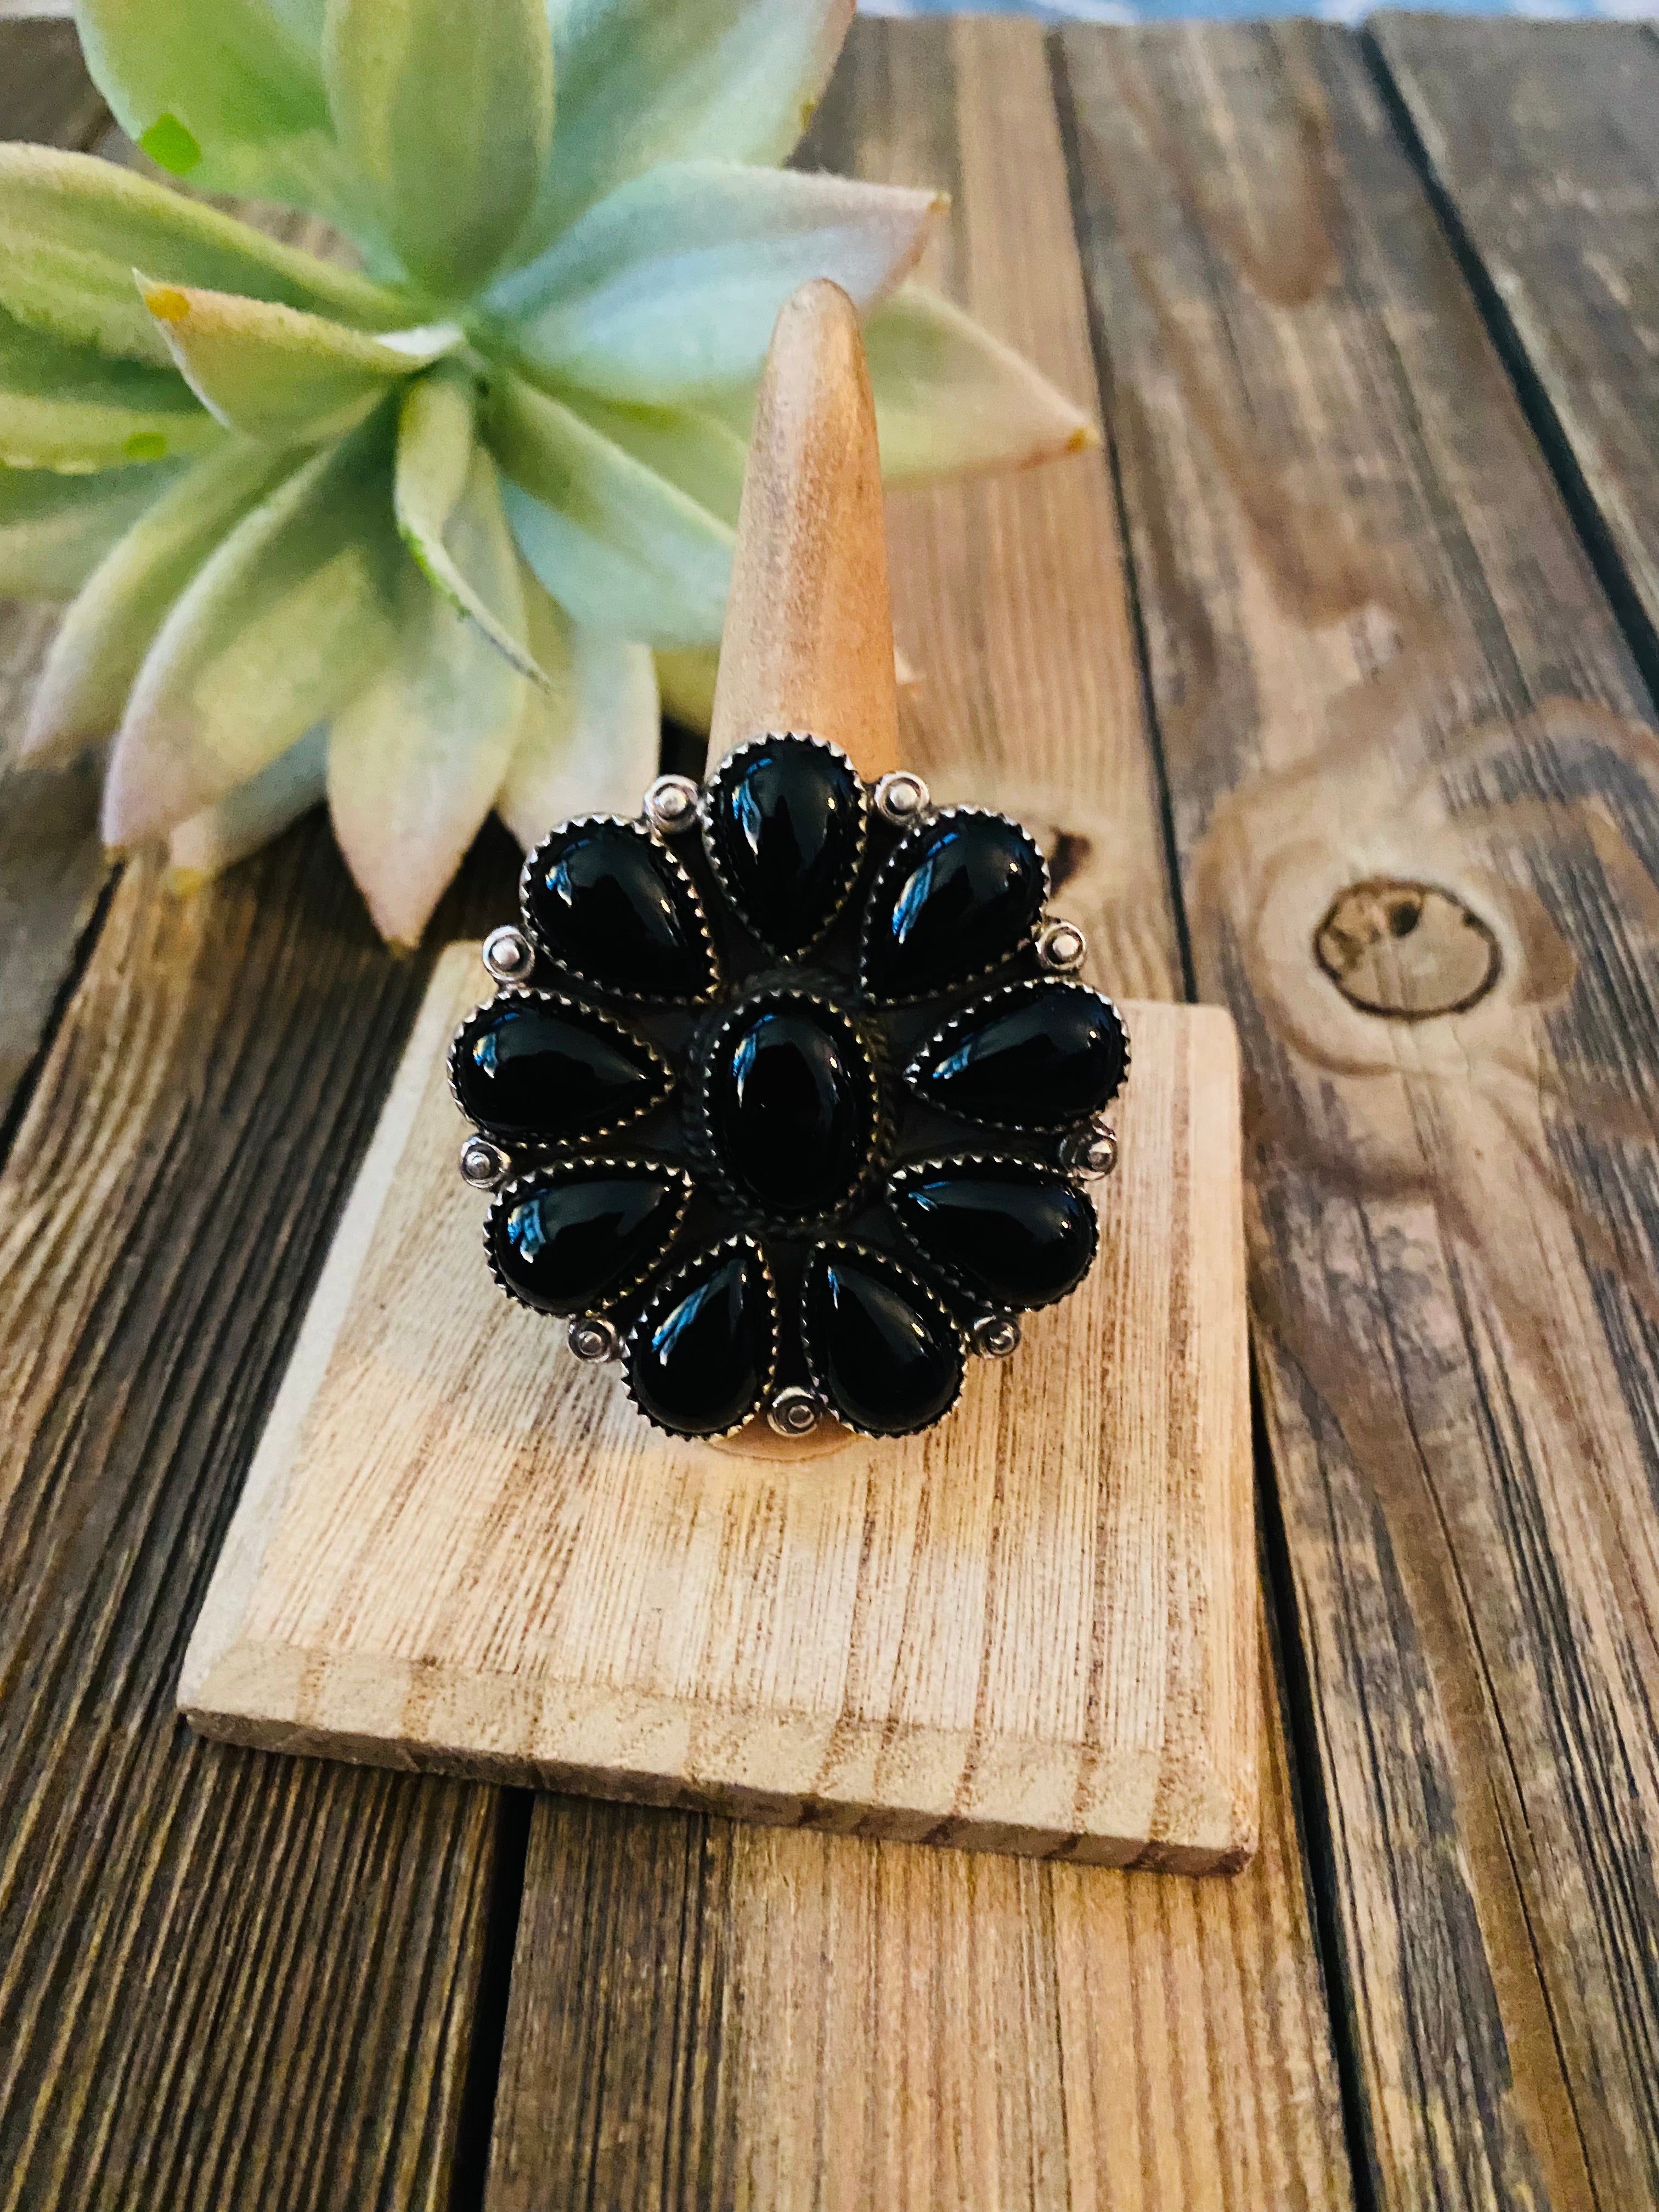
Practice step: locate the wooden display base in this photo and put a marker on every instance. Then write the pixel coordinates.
(1032, 1629)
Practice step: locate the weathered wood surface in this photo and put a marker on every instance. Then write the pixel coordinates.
(1381, 665)
(1033, 1629)
(1545, 139)
(932, 2029)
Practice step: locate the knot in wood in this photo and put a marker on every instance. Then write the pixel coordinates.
(1406, 950)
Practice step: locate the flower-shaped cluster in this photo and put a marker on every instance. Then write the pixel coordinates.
(427, 533)
(801, 1116)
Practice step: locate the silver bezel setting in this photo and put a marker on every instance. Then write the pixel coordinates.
(542, 1173)
(974, 1293)
(577, 976)
(1092, 1151)
(662, 1300)
(892, 872)
(995, 1335)
(548, 1140)
(508, 955)
(1053, 937)
(593, 1338)
(700, 1126)
(484, 1165)
(795, 1412)
(970, 1016)
(710, 843)
(670, 805)
(902, 799)
(915, 1287)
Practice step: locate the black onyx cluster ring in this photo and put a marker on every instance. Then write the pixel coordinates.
(796, 1112)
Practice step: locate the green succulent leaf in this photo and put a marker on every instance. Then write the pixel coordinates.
(228, 92)
(592, 738)
(435, 450)
(418, 756)
(445, 108)
(54, 529)
(102, 639)
(951, 400)
(640, 82)
(669, 289)
(285, 620)
(700, 453)
(277, 373)
(617, 545)
(63, 407)
(252, 814)
(73, 229)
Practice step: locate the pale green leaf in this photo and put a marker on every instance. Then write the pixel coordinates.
(618, 546)
(685, 682)
(102, 639)
(951, 400)
(445, 108)
(64, 407)
(228, 92)
(252, 814)
(54, 529)
(669, 288)
(435, 457)
(642, 82)
(415, 759)
(73, 228)
(277, 373)
(282, 623)
(699, 453)
(591, 741)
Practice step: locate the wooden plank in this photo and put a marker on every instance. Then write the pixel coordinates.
(926, 2029)
(1033, 1646)
(52, 865)
(1544, 138)
(224, 1978)
(1392, 699)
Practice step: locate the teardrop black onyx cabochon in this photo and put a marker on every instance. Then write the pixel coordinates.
(617, 910)
(534, 1066)
(785, 825)
(958, 896)
(858, 1085)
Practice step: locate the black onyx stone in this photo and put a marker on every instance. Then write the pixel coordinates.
(791, 1104)
(785, 829)
(1037, 1057)
(547, 1069)
(701, 1354)
(958, 895)
(568, 1243)
(880, 1346)
(1012, 1234)
(610, 905)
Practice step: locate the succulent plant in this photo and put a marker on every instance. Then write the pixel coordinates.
(428, 532)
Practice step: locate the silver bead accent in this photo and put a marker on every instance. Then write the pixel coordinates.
(1092, 1151)
(483, 1165)
(671, 804)
(1061, 947)
(995, 1335)
(794, 1413)
(508, 955)
(903, 797)
(592, 1337)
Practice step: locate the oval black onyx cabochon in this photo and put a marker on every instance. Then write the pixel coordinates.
(1034, 1056)
(543, 1067)
(785, 829)
(958, 896)
(1011, 1232)
(569, 1241)
(606, 901)
(880, 1346)
(701, 1356)
(791, 1105)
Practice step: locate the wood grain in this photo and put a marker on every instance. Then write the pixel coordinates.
(1033, 1629)
(1379, 653)
(223, 1979)
(1146, 2041)
(1545, 139)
